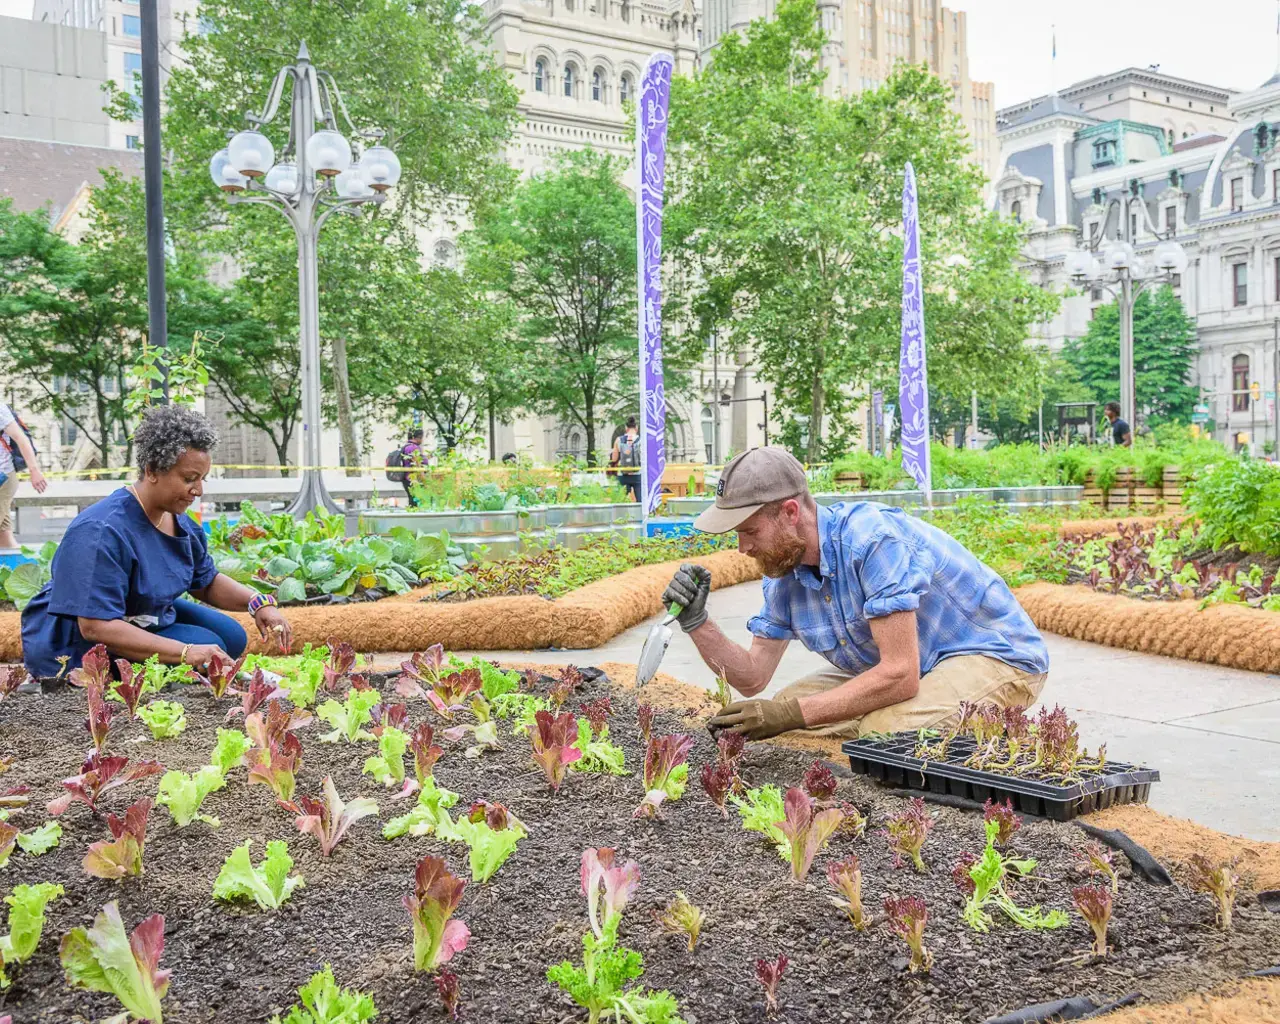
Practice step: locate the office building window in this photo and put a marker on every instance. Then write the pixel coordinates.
(1240, 384)
(1015, 211)
(568, 80)
(133, 74)
(1171, 219)
(132, 142)
(1240, 284)
(1275, 185)
(1237, 194)
(131, 25)
(624, 88)
(540, 76)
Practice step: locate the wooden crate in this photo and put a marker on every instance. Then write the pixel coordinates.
(1091, 493)
(1173, 489)
(847, 480)
(1121, 493)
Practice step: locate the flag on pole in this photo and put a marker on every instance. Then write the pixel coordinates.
(651, 160)
(913, 377)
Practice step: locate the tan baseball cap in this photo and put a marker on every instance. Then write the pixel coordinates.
(749, 481)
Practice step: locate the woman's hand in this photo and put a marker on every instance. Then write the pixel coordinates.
(198, 656)
(272, 623)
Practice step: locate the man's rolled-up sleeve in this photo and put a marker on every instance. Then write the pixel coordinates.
(894, 578)
(774, 620)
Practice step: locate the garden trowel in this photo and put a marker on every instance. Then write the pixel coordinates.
(655, 646)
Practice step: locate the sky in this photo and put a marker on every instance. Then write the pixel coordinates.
(1227, 43)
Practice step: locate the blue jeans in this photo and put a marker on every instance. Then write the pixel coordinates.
(200, 624)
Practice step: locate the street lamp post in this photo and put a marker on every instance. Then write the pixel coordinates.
(315, 176)
(1119, 272)
(725, 402)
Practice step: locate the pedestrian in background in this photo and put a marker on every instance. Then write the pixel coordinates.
(13, 434)
(626, 457)
(1120, 432)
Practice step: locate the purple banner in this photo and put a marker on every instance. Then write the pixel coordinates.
(913, 376)
(651, 164)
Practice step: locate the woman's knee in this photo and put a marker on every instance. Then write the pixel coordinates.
(234, 637)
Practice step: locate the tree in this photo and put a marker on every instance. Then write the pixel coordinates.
(788, 217)
(1164, 346)
(422, 72)
(561, 248)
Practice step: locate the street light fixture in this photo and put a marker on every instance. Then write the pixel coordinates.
(315, 176)
(1118, 271)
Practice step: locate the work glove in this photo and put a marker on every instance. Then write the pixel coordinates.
(689, 587)
(758, 719)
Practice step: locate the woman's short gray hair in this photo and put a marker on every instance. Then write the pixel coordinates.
(166, 431)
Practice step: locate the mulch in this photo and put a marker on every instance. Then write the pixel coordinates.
(235, 963)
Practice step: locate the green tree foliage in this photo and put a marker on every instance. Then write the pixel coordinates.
(561, 248)
(1164, 345)
(787, 228)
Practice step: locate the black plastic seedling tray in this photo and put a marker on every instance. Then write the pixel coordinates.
(889, 760)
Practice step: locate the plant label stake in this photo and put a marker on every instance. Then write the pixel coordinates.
(655, 646)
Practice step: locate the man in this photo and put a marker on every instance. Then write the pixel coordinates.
(1120, 432)
(13, 435)
(911, 622)
(626, 456)
(411, 455)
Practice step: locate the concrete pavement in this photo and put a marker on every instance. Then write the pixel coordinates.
(1214, 733)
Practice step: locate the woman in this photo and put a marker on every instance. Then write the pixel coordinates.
(123, 564)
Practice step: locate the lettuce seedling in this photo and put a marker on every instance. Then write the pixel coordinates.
(988, 874)
(94, 670)
(26, 924)
(165, 718)
(107, 959)
(259, 692)
(14, 798)
(1218, 879)
(553, 745)
(348, 718)
(421, 672)
(484, 732)
(807, 832)
(1094, 904)
(341, 660)
(666, 772)
(329, 819)
(682, 918)
(494, 681)
(129, 687)
(8, 839)
(425, 752)
(99, 775)
(123, 855)
(907, 918)
(602, 875)
(598, 754)
(644, 718)
(729, 747)
(597, 712)
(40, 840)
(1096, 859)
(388, 716)
(277, 769)
(960, 873)
(761, 811)
(854, 822)
(907, 831)
(387, 767)
(230, 749)
(183, 794)
(273, 726)
(450, 992)
(566, 685)
(845, 877)
(436, 895)
(220, 673)
(11, 677)
(302, 673)
(1006, 820)
(599, 985)
(268, 885)
(429, 815)
(324, 1002)
(769, 973)
(101, 715)
(491, 838)
(820, 781)
(717, 781)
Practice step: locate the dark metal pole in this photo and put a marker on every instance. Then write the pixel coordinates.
(764, 397)
(152, 177)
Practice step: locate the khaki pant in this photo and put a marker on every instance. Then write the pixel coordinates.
(966, 677)
(7, 491)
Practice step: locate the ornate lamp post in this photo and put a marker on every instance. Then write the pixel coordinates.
(315, 176)
(1118, 270)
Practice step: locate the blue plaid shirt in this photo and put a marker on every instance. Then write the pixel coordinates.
(878, 560)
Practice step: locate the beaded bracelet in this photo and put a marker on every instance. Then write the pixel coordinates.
(260, 601)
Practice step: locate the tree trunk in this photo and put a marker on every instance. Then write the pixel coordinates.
(815, 417)
(590, 426)
(282, 453)
(342, 392)
(493, 441)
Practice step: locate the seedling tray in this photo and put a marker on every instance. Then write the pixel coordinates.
(889, 760)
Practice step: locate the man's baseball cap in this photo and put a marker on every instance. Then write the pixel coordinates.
(748, 482)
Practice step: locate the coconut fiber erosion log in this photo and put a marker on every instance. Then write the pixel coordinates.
(587, 617)
(1231, 635)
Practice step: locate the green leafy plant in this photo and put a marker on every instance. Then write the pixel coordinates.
(349, 718)
(40, 840)
(436, 895)
(184, 793)
(301, 674)
(324, 1002)
(329, 818)
(387, 766)
(429, 815)
(108, 959)
(988, 874)
(122, 856)
(763, 811)
(230, 749)
(269, 885)
(807, 830)
(680, 917)
(491, 832)
(598, 754)
(26, 924)
(165, 718)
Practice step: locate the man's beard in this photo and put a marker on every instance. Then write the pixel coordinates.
(782, 559)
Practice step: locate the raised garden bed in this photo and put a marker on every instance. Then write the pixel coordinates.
(238, 963)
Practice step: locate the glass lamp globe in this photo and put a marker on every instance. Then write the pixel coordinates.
(224, 175)
(1120, 256)
(1170, 257)
(283, 178)
(251, 153)
(1079, 264)
(350, 184)
(381, 168)
(328, 153)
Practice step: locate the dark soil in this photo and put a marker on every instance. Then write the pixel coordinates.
(236, 964)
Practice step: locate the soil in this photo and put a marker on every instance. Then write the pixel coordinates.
(232, 963)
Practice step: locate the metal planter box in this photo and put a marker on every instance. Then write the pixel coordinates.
(575, 525)
(498, 532)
